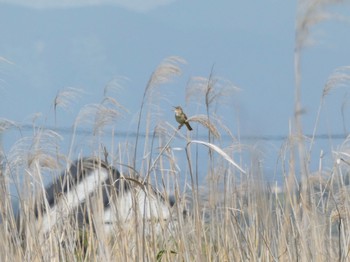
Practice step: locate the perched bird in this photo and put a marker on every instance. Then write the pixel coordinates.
(181, 117)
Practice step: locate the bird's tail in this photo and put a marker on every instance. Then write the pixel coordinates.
(188, 126)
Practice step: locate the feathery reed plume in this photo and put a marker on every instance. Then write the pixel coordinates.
(339, 78)
(27, 158)
(211, 89)
(6, 124)
(165, 72)
(66, 97)
(98, 116)
(109, 111)
(41, 147)
(169, 68)
(101, 115)
(114, 85)
(204, 121)
(310, 13)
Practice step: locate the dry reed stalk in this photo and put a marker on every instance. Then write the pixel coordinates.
(169, 68)
(309, 13)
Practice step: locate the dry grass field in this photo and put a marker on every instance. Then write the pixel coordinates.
(235, 217)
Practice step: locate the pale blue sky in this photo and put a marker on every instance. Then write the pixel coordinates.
(251, 44)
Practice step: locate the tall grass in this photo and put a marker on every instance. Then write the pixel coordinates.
(236, 216)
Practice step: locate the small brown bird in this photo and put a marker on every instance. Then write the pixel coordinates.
(181, 117)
